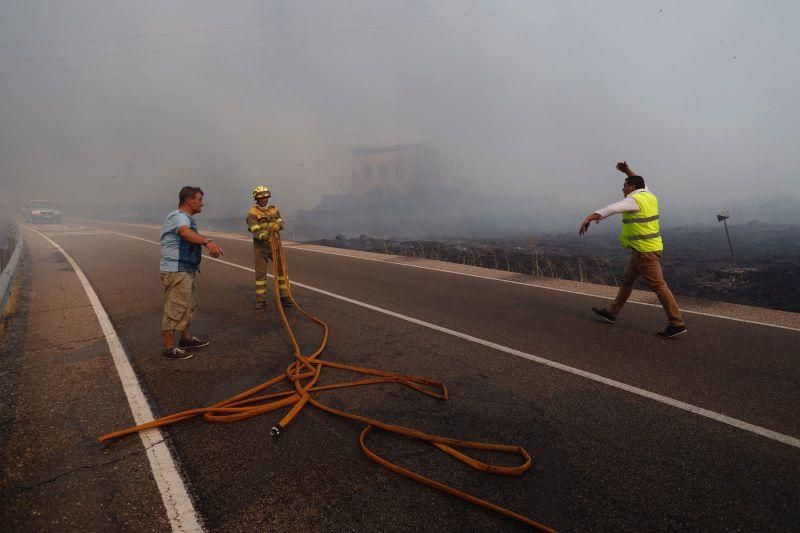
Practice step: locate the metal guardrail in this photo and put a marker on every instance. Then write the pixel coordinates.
(10, 254)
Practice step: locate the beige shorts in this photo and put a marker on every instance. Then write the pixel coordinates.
(180, 300)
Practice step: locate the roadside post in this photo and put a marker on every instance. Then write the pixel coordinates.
(723, 216)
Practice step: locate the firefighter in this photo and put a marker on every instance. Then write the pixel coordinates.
(262, 221)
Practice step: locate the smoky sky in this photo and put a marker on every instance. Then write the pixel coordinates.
(121, 103)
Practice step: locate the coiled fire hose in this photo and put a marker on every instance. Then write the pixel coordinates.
(304, 374)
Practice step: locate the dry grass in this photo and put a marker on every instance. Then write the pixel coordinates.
(530, 259)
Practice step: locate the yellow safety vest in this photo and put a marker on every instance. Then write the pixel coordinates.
(640, 229)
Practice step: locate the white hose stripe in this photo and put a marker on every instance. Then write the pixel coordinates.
(180, 509)
(713, 415)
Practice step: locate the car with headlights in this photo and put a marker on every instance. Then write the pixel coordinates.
(42, 211)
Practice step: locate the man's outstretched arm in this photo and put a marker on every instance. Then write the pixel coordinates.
(586, 221)
(627, 204)
(193, 237)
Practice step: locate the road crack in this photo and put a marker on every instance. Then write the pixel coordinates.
(88, 467)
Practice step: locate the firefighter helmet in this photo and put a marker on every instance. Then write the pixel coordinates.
(261, 191)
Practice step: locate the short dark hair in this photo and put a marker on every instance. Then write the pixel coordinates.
(636, 181)
(188, 193)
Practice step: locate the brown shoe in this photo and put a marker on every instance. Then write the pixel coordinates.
(260, 304)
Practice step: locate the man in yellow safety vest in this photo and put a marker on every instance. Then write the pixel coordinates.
(641, 233)
(262, 221)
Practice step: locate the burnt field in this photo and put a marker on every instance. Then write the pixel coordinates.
(764, 272)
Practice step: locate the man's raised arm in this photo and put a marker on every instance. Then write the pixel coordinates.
(623, 167)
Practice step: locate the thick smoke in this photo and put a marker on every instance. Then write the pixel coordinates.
(110, 107)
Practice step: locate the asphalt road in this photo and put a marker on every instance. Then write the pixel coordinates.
(604, 458)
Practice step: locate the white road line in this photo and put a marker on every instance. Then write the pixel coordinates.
(713, 415)
(71, 233)
(537, 286)
(180, 509)
(525, 284)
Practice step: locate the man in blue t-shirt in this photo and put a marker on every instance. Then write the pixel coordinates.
(181, 250)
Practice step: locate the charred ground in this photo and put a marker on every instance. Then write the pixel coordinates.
(764, 272)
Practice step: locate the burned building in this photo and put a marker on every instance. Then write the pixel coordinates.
(392, 189)
(395, 169)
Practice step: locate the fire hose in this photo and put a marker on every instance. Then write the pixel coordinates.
(304, 374)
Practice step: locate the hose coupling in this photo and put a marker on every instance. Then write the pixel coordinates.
(275, 432)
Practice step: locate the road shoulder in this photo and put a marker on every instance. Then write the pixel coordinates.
(57, 476)
(700, 306)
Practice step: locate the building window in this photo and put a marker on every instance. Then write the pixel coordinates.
(398, 170)
(367, 171)
(384, 172)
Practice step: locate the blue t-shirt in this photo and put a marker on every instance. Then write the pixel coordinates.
(178, 255)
